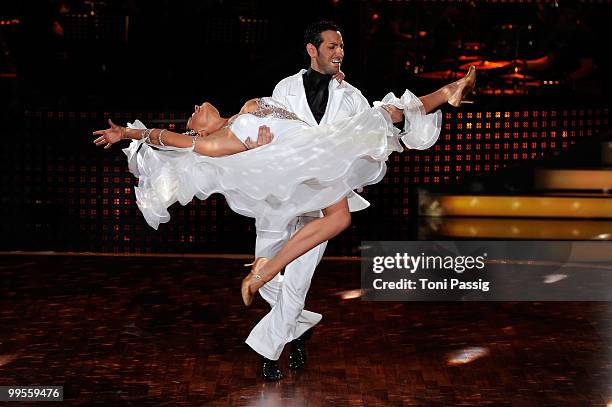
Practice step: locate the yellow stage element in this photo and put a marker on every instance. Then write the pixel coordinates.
(516, 206)
(577, 179)
(505, 228)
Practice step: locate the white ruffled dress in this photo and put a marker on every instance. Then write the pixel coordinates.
(305, 168)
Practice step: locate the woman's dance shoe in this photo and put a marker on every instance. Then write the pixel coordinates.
(465, 86)
(247, 295)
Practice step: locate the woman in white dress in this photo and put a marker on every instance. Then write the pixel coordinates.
(303, 169)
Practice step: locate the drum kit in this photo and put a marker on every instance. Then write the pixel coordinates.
(497, 74)
(501, 77)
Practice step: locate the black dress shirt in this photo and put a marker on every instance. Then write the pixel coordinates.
(316, 86)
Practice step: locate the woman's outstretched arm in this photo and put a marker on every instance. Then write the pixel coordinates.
(219, 143)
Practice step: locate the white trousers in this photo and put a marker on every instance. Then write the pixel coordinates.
(287, 320)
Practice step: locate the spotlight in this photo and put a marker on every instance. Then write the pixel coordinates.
(553, 278)
(350, 294)
(467, 355)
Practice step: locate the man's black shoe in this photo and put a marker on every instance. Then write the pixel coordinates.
(297, 355)
(270, 370)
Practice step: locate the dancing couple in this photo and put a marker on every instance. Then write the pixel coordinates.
(292, 162)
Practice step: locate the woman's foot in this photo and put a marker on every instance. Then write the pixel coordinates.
(252, 282)
(459, 89)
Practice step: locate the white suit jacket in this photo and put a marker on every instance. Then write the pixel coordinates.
(344, 101)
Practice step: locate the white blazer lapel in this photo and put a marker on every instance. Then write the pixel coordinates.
(336, 92)
(299, 103)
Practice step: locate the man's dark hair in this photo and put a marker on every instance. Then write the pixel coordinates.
(312, 35)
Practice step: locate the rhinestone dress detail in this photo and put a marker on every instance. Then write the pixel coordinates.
(265, 109)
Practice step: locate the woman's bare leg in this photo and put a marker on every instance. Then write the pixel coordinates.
(336, 218)
(442, 95)
(435, 99)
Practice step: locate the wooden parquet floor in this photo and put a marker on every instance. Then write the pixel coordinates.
(137, 331)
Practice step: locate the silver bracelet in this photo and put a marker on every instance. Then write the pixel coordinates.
(159, 137)
(146, 136)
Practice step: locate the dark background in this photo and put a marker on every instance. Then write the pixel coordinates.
(68, 65)
(162, 55)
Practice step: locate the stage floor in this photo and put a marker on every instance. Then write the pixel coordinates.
(169, 331)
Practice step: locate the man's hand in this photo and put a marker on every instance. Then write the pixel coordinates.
(264, 136)
(397, 115)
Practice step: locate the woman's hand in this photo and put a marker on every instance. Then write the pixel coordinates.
(110, 136)
(264, 136)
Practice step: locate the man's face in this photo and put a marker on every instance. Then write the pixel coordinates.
(328, 57)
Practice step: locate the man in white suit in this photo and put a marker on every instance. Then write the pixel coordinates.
(317, 98)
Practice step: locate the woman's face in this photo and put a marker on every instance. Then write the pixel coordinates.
(203, 117)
